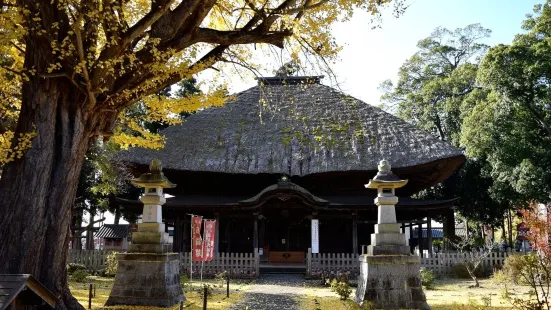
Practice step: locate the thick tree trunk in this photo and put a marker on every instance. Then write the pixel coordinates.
(37, 192)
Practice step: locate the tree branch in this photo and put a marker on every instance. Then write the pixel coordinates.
(276, 38)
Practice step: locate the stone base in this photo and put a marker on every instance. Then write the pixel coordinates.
(390, 282)
(149, 248)
(388, 250)
(147, 280)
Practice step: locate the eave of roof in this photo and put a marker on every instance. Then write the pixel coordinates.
(113, 231)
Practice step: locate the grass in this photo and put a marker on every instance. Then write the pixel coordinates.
(448, 294)
(194, 301)
(456, 294)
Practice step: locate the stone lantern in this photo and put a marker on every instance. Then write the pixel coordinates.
(148, 275)
(389, 274)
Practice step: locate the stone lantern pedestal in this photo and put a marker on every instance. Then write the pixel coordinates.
(389, 274)
(148, 275)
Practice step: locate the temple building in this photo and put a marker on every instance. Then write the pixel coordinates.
(285, 152)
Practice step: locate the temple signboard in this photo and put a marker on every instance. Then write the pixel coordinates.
(315, 236)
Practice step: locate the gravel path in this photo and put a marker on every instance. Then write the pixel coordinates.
(277, 291)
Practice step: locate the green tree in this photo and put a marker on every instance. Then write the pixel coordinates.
(436, 89)
(512, 127)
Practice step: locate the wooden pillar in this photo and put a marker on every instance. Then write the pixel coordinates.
(354, 233)
(217, 232)
(228, 233)
(186, 232)
(177, 238)
(449, 228)
(429, 234)
(255, 230)
(420, 238)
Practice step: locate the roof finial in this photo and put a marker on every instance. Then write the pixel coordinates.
(155, 166)
(288, 69)
(384, 165)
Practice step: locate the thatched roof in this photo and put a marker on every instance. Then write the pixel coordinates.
(293, 126)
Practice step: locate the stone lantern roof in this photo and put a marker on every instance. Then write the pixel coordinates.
(154, 178)
(385, 178)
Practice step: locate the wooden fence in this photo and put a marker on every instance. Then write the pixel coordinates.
(246, 265)
(320, 263)
(238, 265)
(94, 260)
(442, 263)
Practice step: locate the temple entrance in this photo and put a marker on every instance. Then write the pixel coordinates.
(284, 233)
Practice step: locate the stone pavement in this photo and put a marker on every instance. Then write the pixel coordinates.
(278, 292)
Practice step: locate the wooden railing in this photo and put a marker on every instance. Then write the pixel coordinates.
(238, 265)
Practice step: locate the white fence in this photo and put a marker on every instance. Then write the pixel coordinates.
(94, 260)
(442, 263)
(238, 265)
(246, 265)
(319, 263)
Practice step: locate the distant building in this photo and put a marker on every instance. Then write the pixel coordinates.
(114, 237)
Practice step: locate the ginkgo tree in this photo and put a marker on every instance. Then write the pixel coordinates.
(70, 67)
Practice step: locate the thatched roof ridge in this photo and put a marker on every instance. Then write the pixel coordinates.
(295, 129)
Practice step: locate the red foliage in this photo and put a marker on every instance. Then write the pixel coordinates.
(537, 219)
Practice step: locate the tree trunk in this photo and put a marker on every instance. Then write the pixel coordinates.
(38, 191)
(449, 228)
(117, 214)
(90, 231)
(510, 226)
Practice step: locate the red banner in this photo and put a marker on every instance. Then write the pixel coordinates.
(208, 243)
(197, 243)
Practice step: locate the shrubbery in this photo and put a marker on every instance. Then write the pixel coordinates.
(72, 267)
(341, 288)
(512, 269)
(427, 278)
(80, 275)
(111, 264)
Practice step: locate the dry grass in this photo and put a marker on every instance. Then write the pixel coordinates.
(194, 300)
(326, 303)
(449, 294)
(457, 294)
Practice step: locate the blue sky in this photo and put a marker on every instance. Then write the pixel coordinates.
(372, 56)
